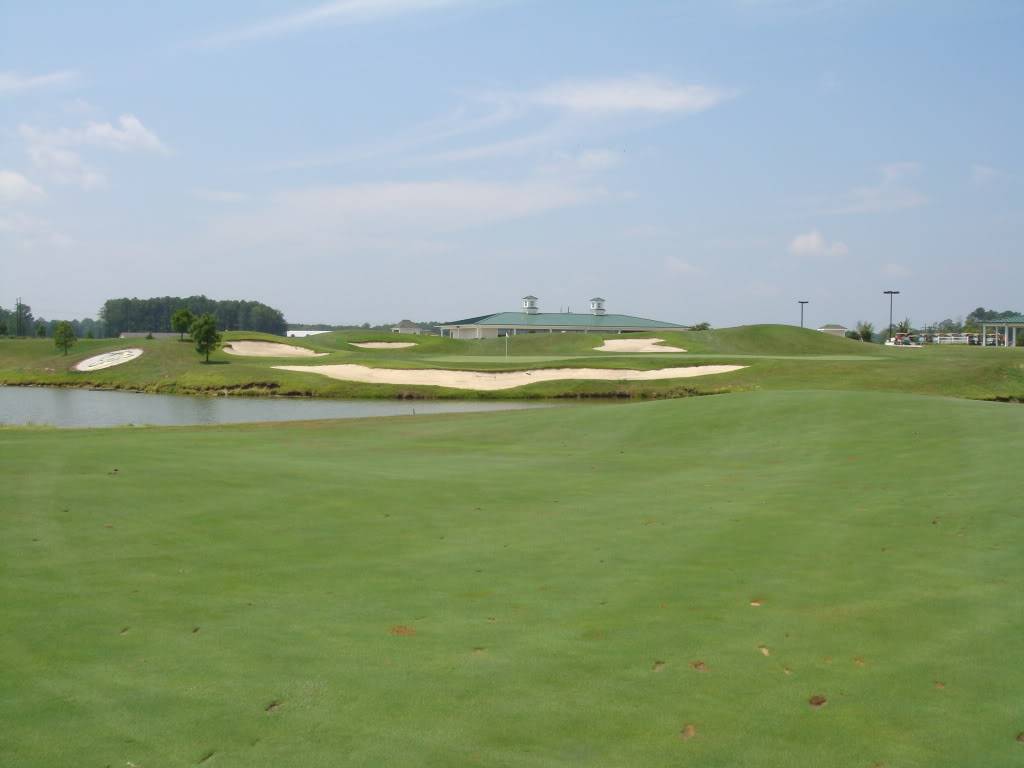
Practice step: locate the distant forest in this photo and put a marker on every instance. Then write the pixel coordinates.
(154, 315)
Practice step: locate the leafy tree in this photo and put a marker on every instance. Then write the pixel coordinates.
(40, 330)
(853, 335)
(64, 336)
(701, 327)
(181, 321)
(903, 326)
(866, 331)
(205, 335)
(3, 327)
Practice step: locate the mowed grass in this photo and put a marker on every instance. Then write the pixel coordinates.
(775, 358)
(522, 589)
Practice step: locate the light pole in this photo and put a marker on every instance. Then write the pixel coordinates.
(890, 294)
(801, 303)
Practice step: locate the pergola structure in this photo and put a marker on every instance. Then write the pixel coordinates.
(1008, 325)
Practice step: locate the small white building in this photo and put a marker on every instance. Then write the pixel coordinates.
(408, 326)
(833, 329)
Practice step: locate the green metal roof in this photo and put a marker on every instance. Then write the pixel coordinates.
(1015, 320)
(566, 319)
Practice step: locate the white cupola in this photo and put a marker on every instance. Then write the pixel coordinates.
(530, 305)
(597, 306)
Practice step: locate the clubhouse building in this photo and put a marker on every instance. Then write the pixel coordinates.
(530, 319)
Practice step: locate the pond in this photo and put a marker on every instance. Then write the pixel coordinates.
(87, 408)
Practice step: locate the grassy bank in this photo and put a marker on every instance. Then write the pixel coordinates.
(777, 358)
(558, 588)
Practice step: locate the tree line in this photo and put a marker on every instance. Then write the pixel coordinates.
(19, 321)
(154, 315)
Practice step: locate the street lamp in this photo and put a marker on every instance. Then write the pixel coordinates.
(890, 294)
(801, 303)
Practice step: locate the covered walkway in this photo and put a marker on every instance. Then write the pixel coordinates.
(1007, 327)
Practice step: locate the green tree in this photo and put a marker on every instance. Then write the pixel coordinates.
(205, 335)
(701, 327)
(904, 326)
(181, 321)
(64, 336)
(866, 331)
(3, 327)
(40, 330)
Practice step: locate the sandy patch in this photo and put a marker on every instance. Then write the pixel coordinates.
(487, 381)
(384, 344)
(268, 349)
(636, 345)
(108, 359)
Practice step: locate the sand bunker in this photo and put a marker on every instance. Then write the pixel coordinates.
(108, 359)
(384, 344)
(481, 380)
(636, 345)
(268, 349)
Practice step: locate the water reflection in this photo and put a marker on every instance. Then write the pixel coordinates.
(85, 408)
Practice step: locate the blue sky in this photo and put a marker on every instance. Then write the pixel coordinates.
(368, 160)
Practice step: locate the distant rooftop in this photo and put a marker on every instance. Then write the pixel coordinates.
(565, 319)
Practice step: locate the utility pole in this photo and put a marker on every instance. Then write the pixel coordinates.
(17, 317)
(801, 303)
(890, 294)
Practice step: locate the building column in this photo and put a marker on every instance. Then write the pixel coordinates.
(983, 329)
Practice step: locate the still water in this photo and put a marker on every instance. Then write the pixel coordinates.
(85, 408)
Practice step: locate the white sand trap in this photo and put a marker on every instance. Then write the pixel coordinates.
(108, 359)
(499, 380)
(636, 345)
(268, 349)
(383, 344)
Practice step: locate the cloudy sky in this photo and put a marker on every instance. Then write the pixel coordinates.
(368, 160)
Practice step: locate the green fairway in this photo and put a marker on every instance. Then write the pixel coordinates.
(582, 586)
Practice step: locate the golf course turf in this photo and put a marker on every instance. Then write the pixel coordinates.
(767, 578)
(774, 357)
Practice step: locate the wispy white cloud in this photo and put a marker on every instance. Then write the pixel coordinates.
(339, 13)
(129, 134)
(518, 146)
(15, 188)
(12, 82)
(57, 153)
(813, 243)
(31, 233)
(894, 192)
(629, 94)
(336, 216)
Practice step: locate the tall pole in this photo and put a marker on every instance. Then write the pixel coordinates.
(801, 303)
(890, 294)
(17, 317)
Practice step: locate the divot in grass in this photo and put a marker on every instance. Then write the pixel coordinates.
(817, 701)
(658, 666)
(699, 666)
(688, 732)
(401, 630)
